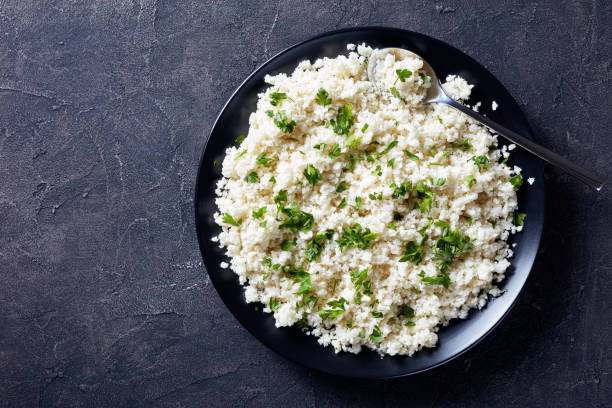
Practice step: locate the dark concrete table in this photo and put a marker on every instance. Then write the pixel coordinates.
(104, 110)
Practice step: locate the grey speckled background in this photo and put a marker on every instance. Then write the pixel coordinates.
(104, 110)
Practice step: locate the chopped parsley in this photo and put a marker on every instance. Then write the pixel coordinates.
(388, 148)
(320, 146)
(401, 190)
(423, 77)
(357, 205)
(276, 97)
(364, 128)
(407, 312)
(376, 336)
(441, 279)
(315, 246)
(323, 97)
(432, 152)
(450, 246)
(252, 177)
(437, 182)
(410, 324)
(240, 139)
(440, 119)
(481, 161)
(344, 120)
(263, 160)
(298, 220)
(228, 219)
(286, 244)
(465, 145)
(377, 314)
(424, 193)
(341, 187)
(352, 141)
(335, 151)
(312, 174)
(518, 218)
(358, 278)
(411, 155)
(375, 196)
(259, 213)
(336, 308)
(403, 74)
(342, 203)
(516, 181)
(356, 236)
(467, 219)
(391, 163)
(377, 171)
(263, 224)
(242, 153)
(274, 304)
(215, 163)
(272, 179)
(470, 180)
(414, 252)
(352, 160)
(396, 93)
(283, 122)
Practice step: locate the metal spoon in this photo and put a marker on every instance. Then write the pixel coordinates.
(435, 94)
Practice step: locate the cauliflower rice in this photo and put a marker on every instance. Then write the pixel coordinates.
(364, 216)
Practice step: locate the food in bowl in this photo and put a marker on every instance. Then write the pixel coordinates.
(362, 215)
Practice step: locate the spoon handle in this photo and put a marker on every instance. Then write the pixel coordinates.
(543, 153)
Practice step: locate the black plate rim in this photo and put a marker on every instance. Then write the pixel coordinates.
(536, 233)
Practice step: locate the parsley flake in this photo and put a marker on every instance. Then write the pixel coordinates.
(516, 181)
(323, 97)
(356, 237)
(344, 120)
(228, 219)
(252, 177)
(312, 174)
(276, 97)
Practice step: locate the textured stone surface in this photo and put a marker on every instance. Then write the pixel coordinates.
(104, 299)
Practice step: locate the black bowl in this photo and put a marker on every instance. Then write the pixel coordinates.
(459, 335)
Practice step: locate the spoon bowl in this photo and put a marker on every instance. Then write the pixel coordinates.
(435, 94)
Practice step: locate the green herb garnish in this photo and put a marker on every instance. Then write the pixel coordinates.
(518, 218)
(298, 220)
(315, 246)
(396, 93)
(376, 336)
(356, 236)
(344, 120)
(516, 181)
(470, 180)
(252, 177)
(323, 97)
(402, 74)
(274, 304)
(335, 310)
(228, 219)
(411, 155)
(263, 160)
(276, 97)
(481, 161)
(259, 213)
(312, 174)
(335, 151)
(240, 139)
(283, 122)
(401, 190)
(341, 187)
(450, 246)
